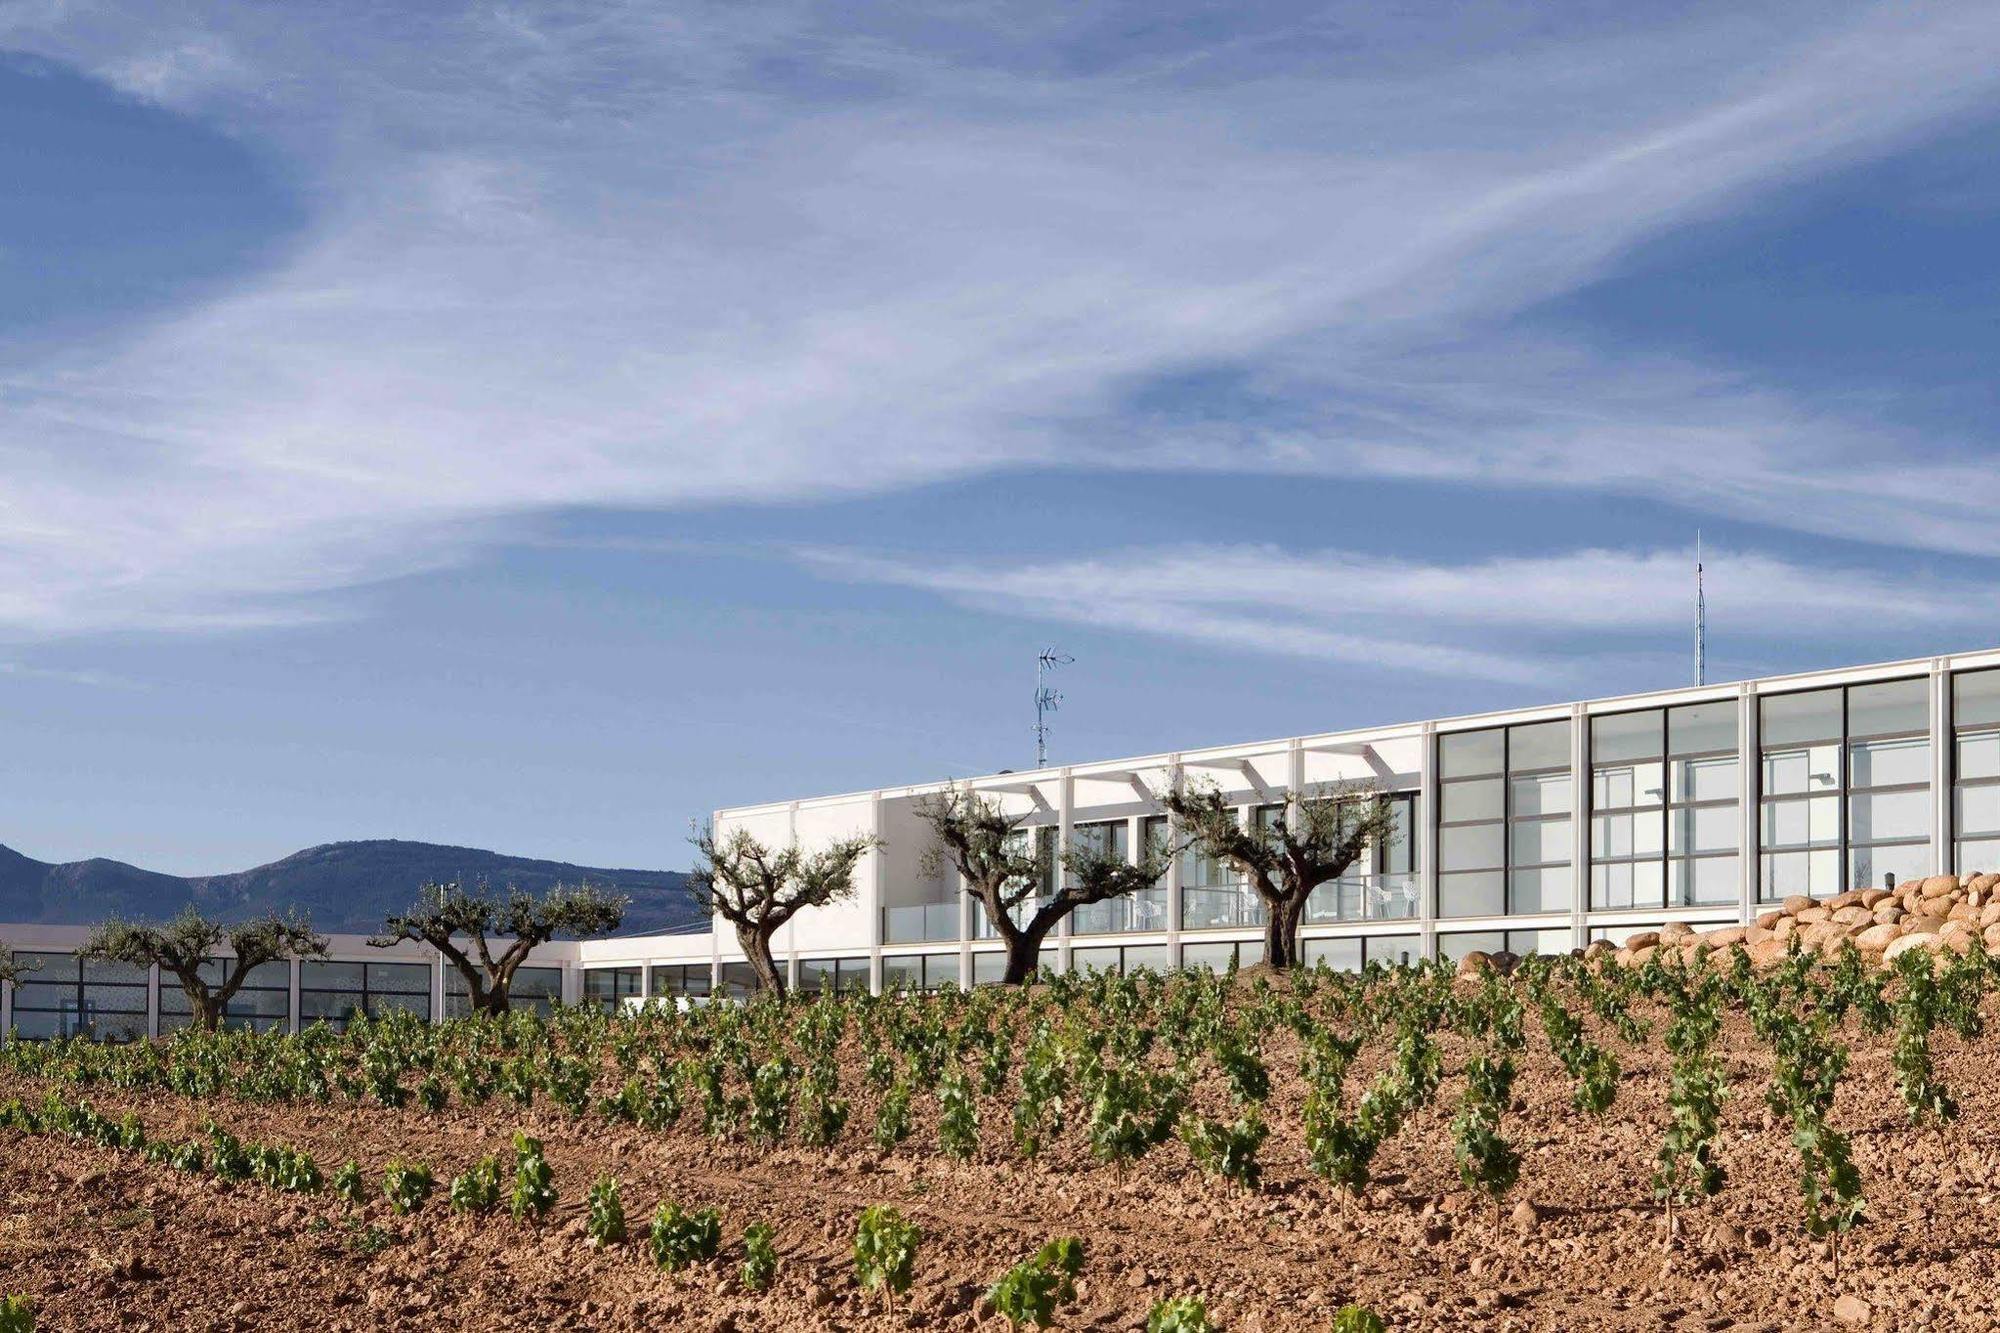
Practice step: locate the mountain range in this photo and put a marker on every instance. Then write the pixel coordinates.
(348, 887)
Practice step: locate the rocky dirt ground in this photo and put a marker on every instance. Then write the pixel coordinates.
(105, 1241)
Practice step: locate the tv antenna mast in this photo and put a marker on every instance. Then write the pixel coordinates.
(1047, 700)
(1700, 617)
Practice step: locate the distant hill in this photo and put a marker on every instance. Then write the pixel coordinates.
(347, 886)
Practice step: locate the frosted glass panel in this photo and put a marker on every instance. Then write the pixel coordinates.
(1890, 763)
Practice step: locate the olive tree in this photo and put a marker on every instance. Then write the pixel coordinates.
(457, 921)
(184, 944)
(1318, 834)
(757, 889)
(1000, 866)
(11, 968)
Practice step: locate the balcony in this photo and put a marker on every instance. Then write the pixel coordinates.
(1387, 897)
(1220, 908)
(920, 922)
(1141, 911)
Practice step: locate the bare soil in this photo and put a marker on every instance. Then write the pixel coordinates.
(104, 1240)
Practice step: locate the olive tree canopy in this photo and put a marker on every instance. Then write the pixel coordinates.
(1002, 867)
(757, 889)
(457, 921)
(191, 939)
(1319, 833)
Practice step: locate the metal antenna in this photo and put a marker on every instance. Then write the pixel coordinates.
(1046, 700)
(1700, 617)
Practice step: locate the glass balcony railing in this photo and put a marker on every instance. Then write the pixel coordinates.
(920, 922)
(1141, 911)
(1364, 898)
(1219, 908)
(1021, 913)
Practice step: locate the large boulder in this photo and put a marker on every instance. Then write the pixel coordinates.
(1797, 903)
(1722, 938)
(1937, 886)
(1876, 938)
(1904, 944)
(1765, 952)
(1644, 939)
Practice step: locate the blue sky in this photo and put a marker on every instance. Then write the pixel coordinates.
(533, 426)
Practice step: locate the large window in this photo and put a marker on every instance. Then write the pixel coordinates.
(1213, 895)
(1045, 839)
(65, 996)
(1844, 769)
(333, 993)
(738, 981)
(1382, 884)
(842, 976)
(693, 980)
(1128, 958)
(1975, 721)
(918, 971)
(1455, 945)
(536, 988)
(1504, 830)
(1145, 910)
(609, 988)
(263, 1005)
(1664, 811)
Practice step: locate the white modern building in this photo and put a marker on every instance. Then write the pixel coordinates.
(1532, 829)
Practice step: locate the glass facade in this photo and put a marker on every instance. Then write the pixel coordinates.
(1121, 958)
(333, 993)
(1045, 838)
(918, 971)
(1664, 812)
(1142, 911)
(1213, 895)
(693, 980)
(263, 1005)
(1456, 944)
(1504, 820)
(65, 996)
(536, 988)
(1844, 788)
(1383, 884)
(610, 988)
(1339, 955)
(1975, 776)
(842, 976)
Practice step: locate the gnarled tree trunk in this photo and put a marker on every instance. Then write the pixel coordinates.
(1281, 932)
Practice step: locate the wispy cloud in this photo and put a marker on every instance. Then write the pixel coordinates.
(572, 256)
(1494, 619)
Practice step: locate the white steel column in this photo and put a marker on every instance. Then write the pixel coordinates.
(292, 985)
(437, 985)
(6, 1008)
(1749, 784)
(1943, 861)
(1579, 806)
(1176, 777)
(153, 1000)
(878, 894)
(1427, 840)
(1065, 824)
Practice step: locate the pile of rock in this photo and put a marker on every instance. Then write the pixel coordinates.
(1941, 912)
